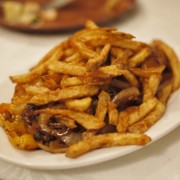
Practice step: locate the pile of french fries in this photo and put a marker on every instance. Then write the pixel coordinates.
(100, 84)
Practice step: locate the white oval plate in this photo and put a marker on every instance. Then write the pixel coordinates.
(43, 160)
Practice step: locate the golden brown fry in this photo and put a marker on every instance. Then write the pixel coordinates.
(150, 86)
(131, 78)
(83, 49)
(102, 105)
(119, 42)
(36, 72)
(147, 72)
(112, 70)
(48, 56)
(134, 114)
(173, 60)
(112, 113)
(106, 140)
(87, 121)
(138, 58)
(65, 68)
(34, 90)
(120, 55)
(95, 62)
(64, 94)
(149, 120)
(79, 104)
(70, 81)
(165, 91)
(73, 58)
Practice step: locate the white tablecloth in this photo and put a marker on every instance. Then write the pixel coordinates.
(158, 161)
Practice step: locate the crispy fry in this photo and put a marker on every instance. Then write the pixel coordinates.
(150, 86)
(79, 104)
(83, 49)
(165, 91)
(95, 62)
(64, 68)
(148, 72)
(174, 62)
(102, 105)
(34, 90)
(131, 78)
(70, 81)
(35, 72)
(138, 58)
(49, 55)
(112, 113)
(64, 94)
(134, 114)
(149, 120)
(73, 58)
(106, 140)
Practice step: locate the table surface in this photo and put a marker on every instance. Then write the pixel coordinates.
(160, 160)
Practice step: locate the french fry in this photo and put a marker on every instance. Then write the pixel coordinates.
(65, 68)
(148, 72)
(38, 71)
(64, 94)
(73, 58)
(173, 60)
(150, 86)
(79, 104)
(95, 62)
(34, 90)
(70, 81)
(138, 58)
(149, 120)
(165, 91)
(102, 105)
(112, 113)
(106, 140)
(83, 49)
(48, 56)
(131, 78)
(134, 114)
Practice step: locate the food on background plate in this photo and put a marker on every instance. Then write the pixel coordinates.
(100, 88)
(25, 13)
(60, 15)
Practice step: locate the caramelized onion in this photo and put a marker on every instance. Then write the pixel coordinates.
(125, 95)
(71, 138)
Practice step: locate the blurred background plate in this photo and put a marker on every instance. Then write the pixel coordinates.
(74, 16)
